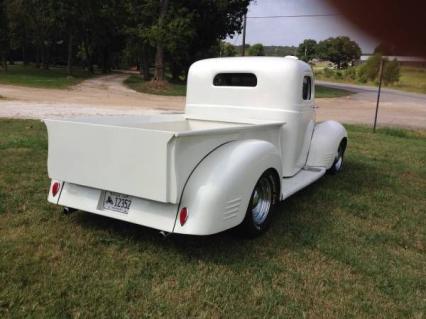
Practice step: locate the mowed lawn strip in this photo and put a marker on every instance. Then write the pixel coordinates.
(351, 245)
(179, 89)
(54, 78)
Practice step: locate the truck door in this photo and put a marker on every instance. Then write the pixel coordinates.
(307, 118)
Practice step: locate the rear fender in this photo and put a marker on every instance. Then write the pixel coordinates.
(325, 143)
(217, 193)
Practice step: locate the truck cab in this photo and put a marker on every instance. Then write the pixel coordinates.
(258, 90)
(247, 139)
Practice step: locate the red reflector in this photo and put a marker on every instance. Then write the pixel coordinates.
(183, 216)
(55, 188)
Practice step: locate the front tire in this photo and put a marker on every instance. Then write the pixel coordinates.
(68, 210)
(263, 202)
(338, 160)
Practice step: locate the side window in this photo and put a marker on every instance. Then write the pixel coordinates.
(235, 79)
(307, 88)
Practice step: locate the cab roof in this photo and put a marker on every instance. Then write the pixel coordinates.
(277, 85)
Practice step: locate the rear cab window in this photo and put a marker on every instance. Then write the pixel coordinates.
(235, 79)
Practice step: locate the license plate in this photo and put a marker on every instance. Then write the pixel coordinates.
(117, 202)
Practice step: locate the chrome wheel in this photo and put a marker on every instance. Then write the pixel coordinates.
(261, 201)
(262, 204)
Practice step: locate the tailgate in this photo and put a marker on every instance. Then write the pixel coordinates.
(126, 160)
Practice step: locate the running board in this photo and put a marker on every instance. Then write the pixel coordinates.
(303, 178)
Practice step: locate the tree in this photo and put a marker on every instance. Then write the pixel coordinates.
(370, 69)
(159, 54)
(340, 50)
(256, 50)
(307, 50)
(68, 20)
(207, 23)
(385, 49)
(227, 49)
(280, 50)
(141, 17)
(4, 35)
(166, 33)
(21, 26)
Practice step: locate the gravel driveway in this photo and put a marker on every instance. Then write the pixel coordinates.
(106, 95)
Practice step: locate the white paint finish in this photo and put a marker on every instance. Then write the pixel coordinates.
(325, 142)
(277, 97)
(279, 88)
(303, 178)
(218, 192)
(142, 212)
(208, 159)
(113, 158)
(139, 150)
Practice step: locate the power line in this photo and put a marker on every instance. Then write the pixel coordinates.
(297, 16)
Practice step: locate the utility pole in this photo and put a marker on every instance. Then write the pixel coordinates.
(244, 35)
(382, 62)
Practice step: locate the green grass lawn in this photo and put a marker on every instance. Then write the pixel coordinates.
(349, 246)
(55, 78)
(137, 84)
(326, 92)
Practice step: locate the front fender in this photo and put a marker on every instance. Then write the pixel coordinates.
(218, 191)
(325, 143)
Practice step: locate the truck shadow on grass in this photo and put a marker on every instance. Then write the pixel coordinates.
(299, 223)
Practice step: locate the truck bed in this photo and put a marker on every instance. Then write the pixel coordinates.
(149, 157)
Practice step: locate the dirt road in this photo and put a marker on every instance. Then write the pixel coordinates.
(103, 95)
(397, 108)
(106, 95)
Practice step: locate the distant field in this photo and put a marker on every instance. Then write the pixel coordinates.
(349, 246)
(412, 79)
(137, 84)
(55, 78)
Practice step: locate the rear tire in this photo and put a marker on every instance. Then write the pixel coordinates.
(263, 202)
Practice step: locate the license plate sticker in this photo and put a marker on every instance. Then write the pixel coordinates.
(117, 202)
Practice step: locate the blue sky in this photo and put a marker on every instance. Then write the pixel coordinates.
(292, 31)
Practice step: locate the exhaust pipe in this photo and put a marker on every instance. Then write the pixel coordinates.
(164, 234)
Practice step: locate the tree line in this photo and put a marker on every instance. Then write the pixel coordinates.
(341, 50)
(112, 33)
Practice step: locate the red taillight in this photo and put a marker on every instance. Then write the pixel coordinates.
(183, 216)
(55, 188)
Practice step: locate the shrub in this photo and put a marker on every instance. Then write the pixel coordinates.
(391, 72)
(338, 75)
(328, 73)
(351, 73)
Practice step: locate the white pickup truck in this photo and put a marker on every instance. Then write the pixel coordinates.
(247, 140)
